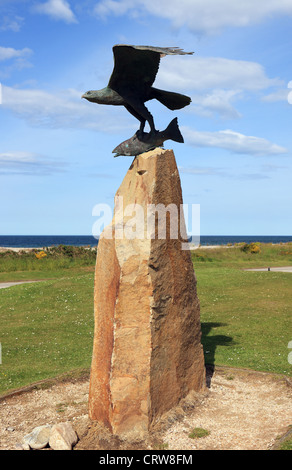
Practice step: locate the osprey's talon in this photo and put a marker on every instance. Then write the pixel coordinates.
(140, 134)
(153, 133)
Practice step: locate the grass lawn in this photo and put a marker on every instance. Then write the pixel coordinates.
(246, 316)
(47, 328)
(287, 445)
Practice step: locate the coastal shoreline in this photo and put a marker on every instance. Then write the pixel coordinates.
(18, 249)
(192, 247)
(3, 249)
(6, 248)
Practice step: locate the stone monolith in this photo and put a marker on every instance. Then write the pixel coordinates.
(147, 352)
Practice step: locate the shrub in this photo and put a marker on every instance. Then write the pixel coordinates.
(251, 248)
(40, 255)
(49, 258)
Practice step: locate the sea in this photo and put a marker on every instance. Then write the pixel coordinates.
(41, 241)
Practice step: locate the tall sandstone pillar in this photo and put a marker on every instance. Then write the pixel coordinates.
(147, 352)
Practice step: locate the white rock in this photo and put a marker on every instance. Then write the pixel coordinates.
(62, 437)
(22, 446)
(38, 438)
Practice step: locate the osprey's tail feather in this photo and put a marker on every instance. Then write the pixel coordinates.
(171, 100)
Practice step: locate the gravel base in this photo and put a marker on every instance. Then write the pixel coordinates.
(242, 410)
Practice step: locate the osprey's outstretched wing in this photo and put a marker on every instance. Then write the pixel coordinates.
(136, 67)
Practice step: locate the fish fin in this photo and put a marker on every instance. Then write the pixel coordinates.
(173, 133)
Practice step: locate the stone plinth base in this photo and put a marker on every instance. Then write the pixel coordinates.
(147, 352)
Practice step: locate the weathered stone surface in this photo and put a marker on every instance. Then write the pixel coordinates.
(62, 437)
(38, 438)
(21, 446)
(147, 352)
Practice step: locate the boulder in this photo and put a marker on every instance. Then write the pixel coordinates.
(62, 437)
(147, 352)
(38, 438)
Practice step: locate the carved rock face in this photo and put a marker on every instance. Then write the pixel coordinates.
(147, 352)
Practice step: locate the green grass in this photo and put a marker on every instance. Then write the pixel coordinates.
(287, 445)
(234, 256)
(284, 442)
(198, 433)
(246, 316)
(47, 328)
(25, 265)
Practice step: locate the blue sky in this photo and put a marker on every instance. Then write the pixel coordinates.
(56, 158)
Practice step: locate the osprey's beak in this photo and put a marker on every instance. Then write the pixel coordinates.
(83, 96)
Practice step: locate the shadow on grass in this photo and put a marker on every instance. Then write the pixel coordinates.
(210, 344)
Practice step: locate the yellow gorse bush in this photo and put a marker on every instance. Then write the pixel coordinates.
(251, 248)
(40, 255)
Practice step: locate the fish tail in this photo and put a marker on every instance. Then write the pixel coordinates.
(173, 133)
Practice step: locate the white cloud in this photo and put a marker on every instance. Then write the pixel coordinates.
(202, 73)
(278, 95)
(27, 163)
(11, 24)
(64, 109)
(203, 171)
(200, 16)
(57, 9)
(233, 142)
(7, 53)
(14, 59)
(217, 101)
(214, 83)
(17, 157)
(220, 172)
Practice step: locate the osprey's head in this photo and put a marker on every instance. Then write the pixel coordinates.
(97, 96)
(104, 96)
(92, 95)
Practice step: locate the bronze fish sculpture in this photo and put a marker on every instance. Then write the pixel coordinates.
(149, 141)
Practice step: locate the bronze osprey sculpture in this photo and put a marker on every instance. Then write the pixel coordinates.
(130, 85)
